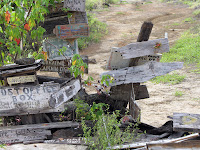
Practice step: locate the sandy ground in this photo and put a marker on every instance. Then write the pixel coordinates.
(124, 22)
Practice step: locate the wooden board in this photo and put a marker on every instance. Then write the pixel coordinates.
(142, 73)
(145, 48)
(72, 31)
(186, 122)
(53, 45)
(21, 100)
(22, 133)
(78, 17)
(72, 140)
(75, 5)
(65, 93)
(21, 79)
(145, 59)
(56, 65)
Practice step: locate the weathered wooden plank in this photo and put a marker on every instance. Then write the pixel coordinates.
(21, 133)
(72, 31)
(21, 100)
(145, 59)
(186, 122)
(65, 93)
(145, 31)
(188, 145)
(75, 5)
(53, 45)
(42, 79)
(21, 79)
(73, 140)
(78, 17)
(145, 48)
(142, 73)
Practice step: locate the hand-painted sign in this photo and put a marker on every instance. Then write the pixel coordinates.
(56, 65)
(53, 45)
(65, 93)
(75, 5)
(72, 31)
(78, 17)
(21, 79)
(27, 99)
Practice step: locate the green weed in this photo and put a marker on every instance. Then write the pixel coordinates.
(174, 78)
(186, 49)
(178, 93)
(196, 12)
(175, 24)
(120, 13)
(97, 31)
(190, 19)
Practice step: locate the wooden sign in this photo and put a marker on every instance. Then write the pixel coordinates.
(72, 31)
(78, 17)
(72, 140)
(21, 79)
(145, 59)
(185, 122)
(53, 45)
(32, 132)
(145, 48)
(65, 93)
(142, 73)
(23, 100)
(75, 5)
(56, 65)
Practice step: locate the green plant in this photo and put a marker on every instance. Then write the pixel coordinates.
(97, 31)
(2, 146)
(174, 78)
(196, 12)
(178, 93)
(120, 13)
(190, 19)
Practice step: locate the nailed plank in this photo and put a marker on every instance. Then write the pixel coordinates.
(145, 48)
(21, 79)
(72, 31)
(24, 99)
(186, 122)
(142, 73)
(75, 5)
(21, 133)
(65, 93)
(53, 45)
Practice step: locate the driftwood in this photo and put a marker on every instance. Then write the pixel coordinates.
(142, 73)
(139, 49)
(186, 122)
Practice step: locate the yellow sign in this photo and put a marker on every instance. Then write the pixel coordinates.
(21, 79)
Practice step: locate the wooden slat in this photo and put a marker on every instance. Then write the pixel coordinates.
(21, 100)
(21, 133)
(72, 31)
(21, 79)
(186, 122)
(142, 73)
(72, 140)
(65, 93)
(145, 48)
(75, 5)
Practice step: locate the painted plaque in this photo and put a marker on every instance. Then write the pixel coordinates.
(72, 31)
(21, 79)
(65, 93)
(75, 5)
(21, 100)
(56, 65)
(53, 45)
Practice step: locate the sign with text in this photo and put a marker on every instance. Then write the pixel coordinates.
(75, 5)
(56, 65)
(72, 31)
(21, 79)
(78, 17)
(27, 99)
(53, 45)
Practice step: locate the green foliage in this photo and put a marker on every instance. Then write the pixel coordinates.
(78, 66)
(2, 146)
(120, 13)
(190, 19)
(186, 49)
(196, 12)
(97, 31)
(174, 78)
(178, 93)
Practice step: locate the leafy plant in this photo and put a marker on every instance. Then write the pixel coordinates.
(174, 78)
(178, 93)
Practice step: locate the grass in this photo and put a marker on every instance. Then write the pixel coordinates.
(171, 79)
(120, 13)
(190, 19)
(178, 93)
(97, 31)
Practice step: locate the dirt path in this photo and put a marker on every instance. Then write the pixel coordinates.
(124, 22)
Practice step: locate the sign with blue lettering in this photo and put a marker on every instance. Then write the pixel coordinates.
(75, 5)
(72, 31)
(23, 100)
(53, 45)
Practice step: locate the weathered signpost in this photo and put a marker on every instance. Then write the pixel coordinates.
(136, 63)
